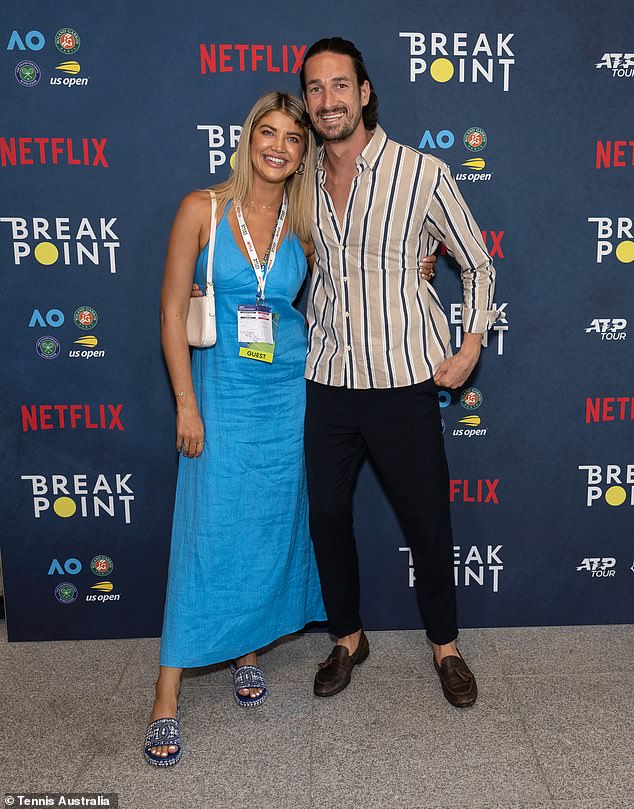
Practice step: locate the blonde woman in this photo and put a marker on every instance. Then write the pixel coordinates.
(242, 571)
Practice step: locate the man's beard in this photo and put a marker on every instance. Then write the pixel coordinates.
(332, 135)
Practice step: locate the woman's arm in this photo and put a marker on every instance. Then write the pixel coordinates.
(182, 252)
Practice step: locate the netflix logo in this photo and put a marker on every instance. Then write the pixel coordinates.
(71, 417)
(64, 151)
(609, 408)
(614, 154)
(251, 58)
(474, 491)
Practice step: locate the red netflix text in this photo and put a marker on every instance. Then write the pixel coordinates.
(610, 408)
(72, 417)
(473, 491)
(64, 151)
(267, 58)
(614, 153)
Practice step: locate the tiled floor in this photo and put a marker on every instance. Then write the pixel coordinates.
(552, 728)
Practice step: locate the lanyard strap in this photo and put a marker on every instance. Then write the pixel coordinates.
(263, 268)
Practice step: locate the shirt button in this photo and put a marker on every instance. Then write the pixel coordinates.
(348, 348)
(345, 279)
(346, 314)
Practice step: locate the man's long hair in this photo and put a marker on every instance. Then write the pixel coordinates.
(346, 48)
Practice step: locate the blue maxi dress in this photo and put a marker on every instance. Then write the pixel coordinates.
(242, 570)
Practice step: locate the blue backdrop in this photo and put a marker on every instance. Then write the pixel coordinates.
(111, 115)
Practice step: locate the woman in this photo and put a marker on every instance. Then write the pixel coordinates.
(242, 571)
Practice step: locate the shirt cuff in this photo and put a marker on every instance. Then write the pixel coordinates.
(478, 321)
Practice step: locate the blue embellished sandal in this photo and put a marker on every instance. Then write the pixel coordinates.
(160, 733)
(248, 677)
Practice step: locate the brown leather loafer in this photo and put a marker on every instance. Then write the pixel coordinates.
(335, 672)
(458, 683)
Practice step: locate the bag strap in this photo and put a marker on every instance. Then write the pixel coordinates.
(212, 239)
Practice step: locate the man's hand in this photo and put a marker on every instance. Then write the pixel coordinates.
(427, 267)
(455, 371)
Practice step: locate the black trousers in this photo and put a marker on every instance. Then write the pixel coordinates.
(400, 428)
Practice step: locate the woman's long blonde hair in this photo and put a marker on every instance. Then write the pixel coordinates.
(299, 187)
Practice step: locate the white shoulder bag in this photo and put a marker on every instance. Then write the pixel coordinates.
(201, 316)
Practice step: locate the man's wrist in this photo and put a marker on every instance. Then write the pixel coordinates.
(471, 345)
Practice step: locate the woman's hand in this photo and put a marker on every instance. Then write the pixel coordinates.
(196, 291)
(190, 433)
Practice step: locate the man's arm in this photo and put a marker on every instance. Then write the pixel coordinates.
(450, 220)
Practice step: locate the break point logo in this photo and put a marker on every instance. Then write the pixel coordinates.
(469, 60)
(614, 236)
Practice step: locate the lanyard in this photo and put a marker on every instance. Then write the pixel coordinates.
(262, 269)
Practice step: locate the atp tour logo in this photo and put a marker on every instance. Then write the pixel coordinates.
(495, 334)
(82, 496)
(470, 58)
(63, 242)
(610, 328)
(477, 565)
(217, 138)
(599, 567)
(474, 141)
(228, 58)
(612, 483)
(621, 65)
(614, 236)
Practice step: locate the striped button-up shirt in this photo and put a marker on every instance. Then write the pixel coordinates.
(373, 322)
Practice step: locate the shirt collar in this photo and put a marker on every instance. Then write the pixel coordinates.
(368, 157)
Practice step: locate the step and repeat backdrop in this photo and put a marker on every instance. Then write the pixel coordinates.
(112, 112)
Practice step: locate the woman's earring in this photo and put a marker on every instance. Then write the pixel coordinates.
(301, 169)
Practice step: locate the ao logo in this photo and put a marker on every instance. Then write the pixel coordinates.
(53, 318)
(71, 566)
(35, 41)
(444, 140)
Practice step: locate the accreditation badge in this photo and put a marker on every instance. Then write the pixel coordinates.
(257, 332)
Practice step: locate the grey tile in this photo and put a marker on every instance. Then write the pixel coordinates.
(57, 665)
(581, 727)
(46, 738)
(542, 650)
(610, 803)
(408, 748)
(232, 756)
(386, 803)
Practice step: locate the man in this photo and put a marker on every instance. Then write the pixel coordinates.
(378, 345)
